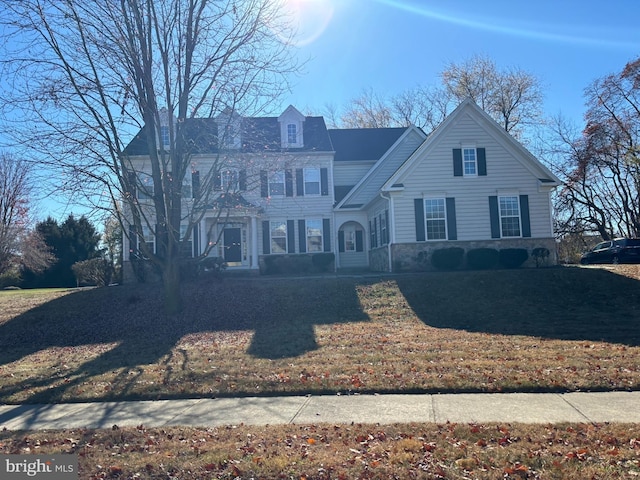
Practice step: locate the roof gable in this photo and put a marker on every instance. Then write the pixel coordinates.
(469, 107)
(367, 188)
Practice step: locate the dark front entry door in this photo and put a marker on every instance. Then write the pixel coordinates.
(232, 245)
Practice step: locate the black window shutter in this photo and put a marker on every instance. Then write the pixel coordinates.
(482, 161)
(299, 182)
(288, 182)
(242, 180)
(375, 231)
(133, 242)
(341, 241)
(217, 181)
(452, 228)
(264, 184)
(326, 234)
(359, 241)
(419, 214)
(162, 240)
(195, 234)
(324, 181)
(524, 215)
(291, 237)
(495, 217)
(302, 235)
(457, 162)
(266, 238)
(131, 177)
(195, 184)
(386, 221)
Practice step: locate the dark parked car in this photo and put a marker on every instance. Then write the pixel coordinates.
(620, 250)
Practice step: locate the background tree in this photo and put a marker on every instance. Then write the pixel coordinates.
(511, 96)
(20, 247)
(72, 241)
(600, 166)
(89, 75)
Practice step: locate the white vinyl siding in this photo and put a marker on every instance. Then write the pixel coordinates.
(434, 169)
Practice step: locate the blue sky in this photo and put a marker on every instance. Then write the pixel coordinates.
(393, 45)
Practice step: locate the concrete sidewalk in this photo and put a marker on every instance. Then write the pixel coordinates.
(383, 409)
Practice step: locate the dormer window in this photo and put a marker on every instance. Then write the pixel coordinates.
(291, 128)
(292, 133)
(165, 138)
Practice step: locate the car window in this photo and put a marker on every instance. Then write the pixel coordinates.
(632, 242)
(601, 246)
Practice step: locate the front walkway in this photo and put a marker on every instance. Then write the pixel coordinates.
(384, 409)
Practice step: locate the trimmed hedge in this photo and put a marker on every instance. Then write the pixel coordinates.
(447, 258)
(482, 258)
(301, 263)
(513, 257)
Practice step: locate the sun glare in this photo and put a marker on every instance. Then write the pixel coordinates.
(309, 19)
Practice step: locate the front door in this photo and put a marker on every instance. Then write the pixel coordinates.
(233, 246)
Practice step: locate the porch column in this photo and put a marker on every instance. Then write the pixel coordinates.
(254, 242)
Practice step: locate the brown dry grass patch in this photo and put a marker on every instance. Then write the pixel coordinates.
(559, 329)
(327, 451)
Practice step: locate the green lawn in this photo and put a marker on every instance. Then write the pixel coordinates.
(557, 329)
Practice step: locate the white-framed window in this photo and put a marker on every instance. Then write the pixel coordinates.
(469, 161)
(229, 180)
(165, 138)
(145, 186)
(314, 236)
(186, 248)
(292, 133)
(312, 181)
(349, 240)
(435, 218)
(276, 184)
(231, 138)
(278, 236)
(187, 192)
(509, 208)
(149, 239)
(382, 222)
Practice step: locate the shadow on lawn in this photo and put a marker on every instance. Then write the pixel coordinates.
(567, 303)
(282, 319)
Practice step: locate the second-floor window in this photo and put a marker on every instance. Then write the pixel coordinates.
(145, 186)
(229, 180)
(312, 181)
(276, 184)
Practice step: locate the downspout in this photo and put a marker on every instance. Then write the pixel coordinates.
(392, 231)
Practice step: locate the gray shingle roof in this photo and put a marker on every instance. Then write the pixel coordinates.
(363, 143)
(257, 134)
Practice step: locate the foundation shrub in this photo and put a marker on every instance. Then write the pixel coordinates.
(482, 258)
(447, 258)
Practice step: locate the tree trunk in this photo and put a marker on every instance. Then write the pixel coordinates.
(171, 282)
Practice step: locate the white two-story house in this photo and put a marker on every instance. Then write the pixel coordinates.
(374, 199)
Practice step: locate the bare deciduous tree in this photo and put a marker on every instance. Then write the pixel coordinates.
(512, 96)
(90, 74)
(600, 166)
(20, 247)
